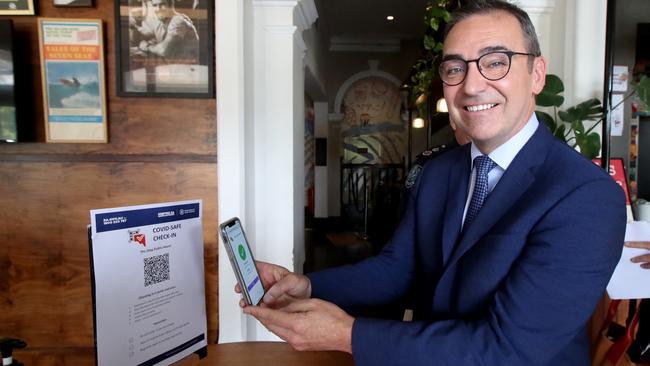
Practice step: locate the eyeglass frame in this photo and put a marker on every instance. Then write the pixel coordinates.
(478, 67)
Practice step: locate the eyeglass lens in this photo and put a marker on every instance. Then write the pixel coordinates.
(493, 66)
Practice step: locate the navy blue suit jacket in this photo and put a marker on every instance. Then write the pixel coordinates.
(516, 288)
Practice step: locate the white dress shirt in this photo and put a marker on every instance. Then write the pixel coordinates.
(502, 156)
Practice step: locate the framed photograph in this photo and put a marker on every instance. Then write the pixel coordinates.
(165, 48)
(16, 7)
(8, 127)
(73, 3)
(72, 72)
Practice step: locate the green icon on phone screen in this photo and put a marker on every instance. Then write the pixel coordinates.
(242, 252)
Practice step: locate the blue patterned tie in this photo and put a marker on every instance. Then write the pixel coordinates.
(483, 165)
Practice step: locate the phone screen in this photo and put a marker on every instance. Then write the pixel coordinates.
(241, 253)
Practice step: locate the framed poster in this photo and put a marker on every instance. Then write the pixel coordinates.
(72, 3)
(16, 7)
(72, 72)
(165, 48)
(8, 128)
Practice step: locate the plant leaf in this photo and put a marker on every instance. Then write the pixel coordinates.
(564, 116)
(434, 23)
(550, 95)
(578, 127)
(547, 120)
(589, 145)
(437, 12)
(642, 89)
(559, 133)
(429, 42)
(549, 100)
(589, 110)
(554, 84)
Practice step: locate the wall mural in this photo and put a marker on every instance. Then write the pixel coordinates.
(372, 130)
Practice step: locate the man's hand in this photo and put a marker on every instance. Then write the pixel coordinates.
(282, 286)
(643, 259)
(308, 325)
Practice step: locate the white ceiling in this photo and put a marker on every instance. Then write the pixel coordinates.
(366, 19)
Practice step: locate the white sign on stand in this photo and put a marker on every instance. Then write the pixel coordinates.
(149, 293)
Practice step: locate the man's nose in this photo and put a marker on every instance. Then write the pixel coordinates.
(474, 81)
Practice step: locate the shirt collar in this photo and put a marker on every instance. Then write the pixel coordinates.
(505, 154)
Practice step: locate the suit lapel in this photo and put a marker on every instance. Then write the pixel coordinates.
(514, 182)
(457, 195)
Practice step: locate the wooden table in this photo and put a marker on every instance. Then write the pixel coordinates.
(230, 354)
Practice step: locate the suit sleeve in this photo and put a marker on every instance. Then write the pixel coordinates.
(541, 306)
(376, 280)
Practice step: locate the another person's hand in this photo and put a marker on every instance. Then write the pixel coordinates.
(282, 286)
(643, 259)
(308, 325)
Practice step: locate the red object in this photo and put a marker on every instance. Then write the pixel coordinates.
(140, 238)
(619, 347)
(617, 171)
(611, 313)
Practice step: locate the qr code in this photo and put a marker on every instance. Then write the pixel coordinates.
(156, 269)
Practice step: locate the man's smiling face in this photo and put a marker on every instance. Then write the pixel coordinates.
(491, 112)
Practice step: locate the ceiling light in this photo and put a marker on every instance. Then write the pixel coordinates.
(418, 122)
(390, 17)
(441, 106)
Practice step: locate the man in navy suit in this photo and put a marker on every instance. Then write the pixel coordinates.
(507, 242)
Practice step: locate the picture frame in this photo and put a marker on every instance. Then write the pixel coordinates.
(17, 7)
(72, 3)
(164, 48)
(8, 125)
(72, 75)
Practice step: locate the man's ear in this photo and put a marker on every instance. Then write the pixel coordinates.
(539, 74)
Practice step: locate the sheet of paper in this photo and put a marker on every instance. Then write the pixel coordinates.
(619, 79)
(149, 283)
(617, 119)
(629, 280)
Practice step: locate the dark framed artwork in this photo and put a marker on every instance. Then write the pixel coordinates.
(73, 3)
(17, 7)
(165, 48)
(8, 127)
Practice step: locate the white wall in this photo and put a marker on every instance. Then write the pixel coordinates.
(260, 124)
(231, 147)
(572, 37)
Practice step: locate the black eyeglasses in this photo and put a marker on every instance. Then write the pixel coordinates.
(493, 66)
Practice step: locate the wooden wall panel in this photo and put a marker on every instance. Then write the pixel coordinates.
(45, 269)
(159, 150)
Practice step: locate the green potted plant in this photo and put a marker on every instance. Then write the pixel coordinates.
(570, 125)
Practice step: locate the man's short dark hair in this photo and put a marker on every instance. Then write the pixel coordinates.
(475, 7)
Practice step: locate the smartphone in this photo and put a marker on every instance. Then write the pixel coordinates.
(242, 261)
